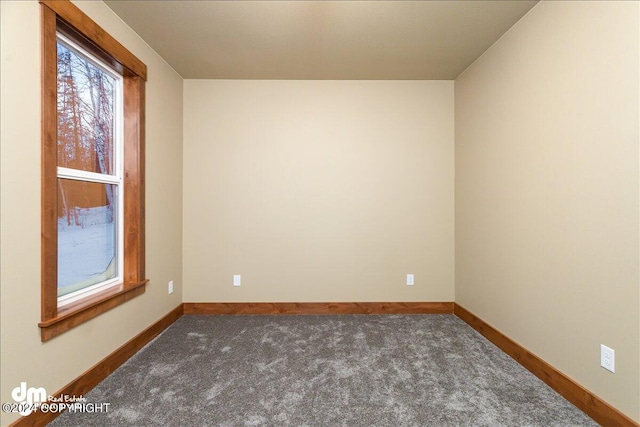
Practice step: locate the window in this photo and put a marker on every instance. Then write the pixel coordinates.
(89, 171)
(92, 170)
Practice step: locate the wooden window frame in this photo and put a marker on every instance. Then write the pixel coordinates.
(64, 16)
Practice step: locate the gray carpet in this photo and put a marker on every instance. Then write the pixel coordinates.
(352, 370)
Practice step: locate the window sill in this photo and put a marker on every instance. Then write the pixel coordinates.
(77, 313)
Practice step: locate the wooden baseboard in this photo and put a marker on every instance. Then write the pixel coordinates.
(590, 404)
(98, 372)
(318, 308)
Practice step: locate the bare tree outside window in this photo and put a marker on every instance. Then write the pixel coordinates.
(87, 208)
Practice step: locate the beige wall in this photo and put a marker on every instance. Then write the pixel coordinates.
(318, 190)
(547, 190)
(53, 364)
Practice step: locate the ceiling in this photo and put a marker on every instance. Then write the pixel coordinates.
(335, 40)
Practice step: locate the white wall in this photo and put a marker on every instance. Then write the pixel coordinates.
(547, 147)
(55, 363)
(318, 190)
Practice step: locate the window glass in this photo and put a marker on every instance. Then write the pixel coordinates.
(86, 112)
(87, 235)
(88, 172)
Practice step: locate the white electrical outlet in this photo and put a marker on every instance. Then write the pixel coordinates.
(607, 358)
(409, 279)
(171, 286)
(236, 280)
